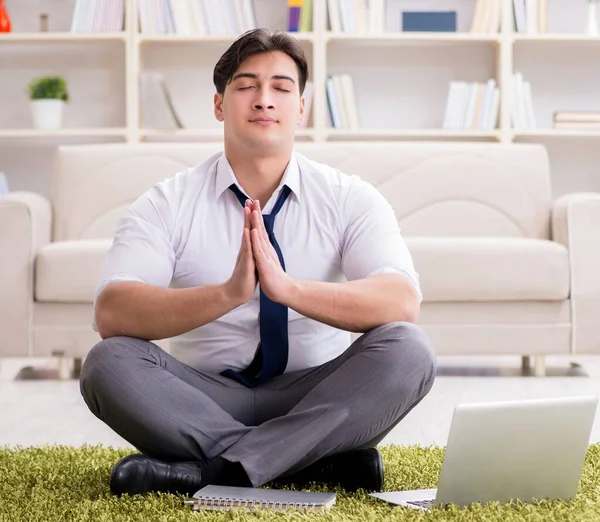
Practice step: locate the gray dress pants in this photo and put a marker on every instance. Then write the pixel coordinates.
(172, 412)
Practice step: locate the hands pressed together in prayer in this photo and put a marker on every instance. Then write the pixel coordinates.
(257, 261)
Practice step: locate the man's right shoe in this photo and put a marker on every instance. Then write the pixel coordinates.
(351, 470)
(136, 474)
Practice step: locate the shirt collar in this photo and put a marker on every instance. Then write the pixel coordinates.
(225, 177)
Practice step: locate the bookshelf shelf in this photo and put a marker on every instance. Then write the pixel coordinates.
(62, 37)
(412, 37)
(359, 134)
(63, 133)
(557, 133)
(555, 38)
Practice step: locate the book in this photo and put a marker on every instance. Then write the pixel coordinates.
(520, 16)
(531, 16)
(308, 97)
(294, 14)
(157, 109)
(429, 21)
(576, 117)
(217, 498)
(335, 19)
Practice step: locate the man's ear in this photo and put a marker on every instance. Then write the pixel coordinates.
(302, 109)
(218, 106)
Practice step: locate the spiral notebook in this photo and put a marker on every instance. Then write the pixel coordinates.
(229, 497)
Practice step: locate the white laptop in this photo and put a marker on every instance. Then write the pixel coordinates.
(501, 451)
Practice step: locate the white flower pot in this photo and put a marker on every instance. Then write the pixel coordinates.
(47, 114)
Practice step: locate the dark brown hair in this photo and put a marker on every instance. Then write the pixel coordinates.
(254, 42)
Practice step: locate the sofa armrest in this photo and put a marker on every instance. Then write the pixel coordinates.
(576, 225)
(25, 225)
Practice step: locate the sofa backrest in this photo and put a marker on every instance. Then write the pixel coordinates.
(437, 189)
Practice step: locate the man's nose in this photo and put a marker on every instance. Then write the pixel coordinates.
(263, 100)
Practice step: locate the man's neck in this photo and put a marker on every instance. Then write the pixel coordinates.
(259, 176)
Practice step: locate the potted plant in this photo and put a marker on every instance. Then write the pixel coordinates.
(48, 95)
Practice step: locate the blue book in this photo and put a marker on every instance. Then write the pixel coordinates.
(429, 21)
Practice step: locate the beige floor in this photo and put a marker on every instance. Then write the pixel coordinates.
(38, 412)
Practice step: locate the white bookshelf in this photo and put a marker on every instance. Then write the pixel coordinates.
(401, 79)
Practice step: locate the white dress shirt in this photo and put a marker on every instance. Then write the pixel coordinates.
(187, 230)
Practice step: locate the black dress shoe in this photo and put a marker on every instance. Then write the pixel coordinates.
(351, 470)
(136, 474)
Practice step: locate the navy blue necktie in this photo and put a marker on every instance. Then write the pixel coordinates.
(272, 353)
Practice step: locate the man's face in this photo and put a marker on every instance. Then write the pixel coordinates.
(261, 107)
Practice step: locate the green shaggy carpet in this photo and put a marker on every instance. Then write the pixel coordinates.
(71, 484)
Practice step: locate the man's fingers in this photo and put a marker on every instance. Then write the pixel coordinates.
(247, 214)
(256, 246)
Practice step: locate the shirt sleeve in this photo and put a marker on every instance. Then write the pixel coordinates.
(372, 242)
(142, 248)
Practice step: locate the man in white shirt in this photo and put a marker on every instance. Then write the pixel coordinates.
(256, 264)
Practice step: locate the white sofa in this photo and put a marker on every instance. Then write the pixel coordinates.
(504, 269)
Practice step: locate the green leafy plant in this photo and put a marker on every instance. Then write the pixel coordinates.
(48, 87)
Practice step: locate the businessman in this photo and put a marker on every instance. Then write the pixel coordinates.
(257, 264)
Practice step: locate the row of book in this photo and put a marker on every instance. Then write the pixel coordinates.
(341, 100)
(197, 17)
(95, 16)
(523, 116)
(487, 17)
(472, 106)
(530, 16)
(158, 110)
(356, 16)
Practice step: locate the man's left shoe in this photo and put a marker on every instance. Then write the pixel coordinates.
(351, 470)
(136, 474)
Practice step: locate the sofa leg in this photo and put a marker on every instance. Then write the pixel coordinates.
(539, 363)
(64, 368)
(77, 363)
(526, 364)
(62, 363)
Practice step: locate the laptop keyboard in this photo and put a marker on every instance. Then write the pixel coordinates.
(422, 503)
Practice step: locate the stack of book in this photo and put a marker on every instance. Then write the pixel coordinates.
(196, 17)
(523, 116)
(157, 108)
(299, 16)
(356, 17)
(472, 106)
(531, 16)
(488, 17)
(342, 102)
(580, 120)
(95, 16)
(308, 97)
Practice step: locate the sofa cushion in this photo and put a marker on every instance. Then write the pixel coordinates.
(490, 269)
(69, 271)
(450, 269)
